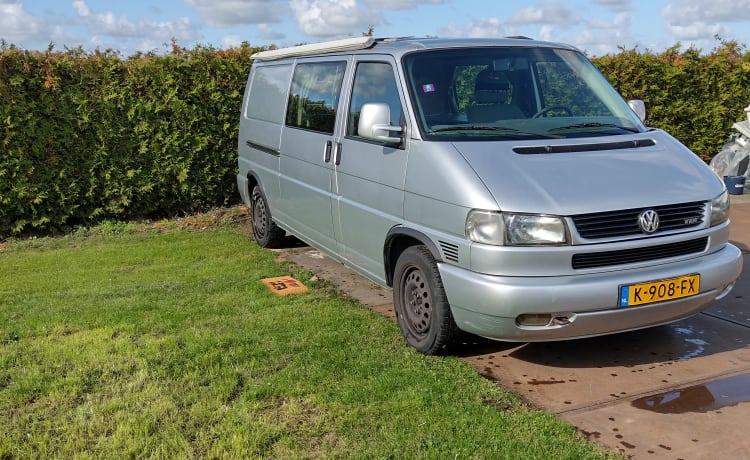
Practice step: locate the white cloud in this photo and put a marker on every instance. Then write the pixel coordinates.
(478, 28)
(546, 33)
(692, 12)
(597, 36)
(400, 4)
(17, 25)
(267, 32)
(614, 5)
(618, 25)
(107, 24)
(234, 12)
(549, 12)
(328, 18)
(699, 31)
(598, 42)
(697, 22)
(231, 41)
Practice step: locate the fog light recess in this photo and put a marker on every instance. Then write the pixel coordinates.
(725, 291)
(533, 319)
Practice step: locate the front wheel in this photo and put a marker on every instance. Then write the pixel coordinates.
(266, 233)
(422, 310)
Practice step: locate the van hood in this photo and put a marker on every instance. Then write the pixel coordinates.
(592, 174)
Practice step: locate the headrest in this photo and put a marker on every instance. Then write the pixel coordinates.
(491, 87)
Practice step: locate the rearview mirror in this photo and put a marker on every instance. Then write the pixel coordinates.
(375, 123)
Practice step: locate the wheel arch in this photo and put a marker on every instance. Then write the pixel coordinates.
(252, 181)
(397, 240)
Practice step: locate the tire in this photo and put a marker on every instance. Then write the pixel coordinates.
(266, 233)
(422, 310)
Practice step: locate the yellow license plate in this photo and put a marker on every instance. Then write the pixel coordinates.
(659, 291)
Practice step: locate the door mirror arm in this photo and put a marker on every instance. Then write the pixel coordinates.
(375, 123)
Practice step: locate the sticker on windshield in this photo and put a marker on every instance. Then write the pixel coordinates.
(428, 88)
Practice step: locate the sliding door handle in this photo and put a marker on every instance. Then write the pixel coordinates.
(327, 151)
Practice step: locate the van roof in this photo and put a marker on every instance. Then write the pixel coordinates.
(394, 46)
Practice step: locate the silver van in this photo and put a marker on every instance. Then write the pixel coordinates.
(501, 187)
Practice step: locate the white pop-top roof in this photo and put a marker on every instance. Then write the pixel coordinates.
(347, 44)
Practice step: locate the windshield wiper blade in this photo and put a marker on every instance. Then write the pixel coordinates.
(473, 128)
(595, 125)
(492, 128)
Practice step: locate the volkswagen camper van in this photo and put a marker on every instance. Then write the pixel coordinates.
(500, 187)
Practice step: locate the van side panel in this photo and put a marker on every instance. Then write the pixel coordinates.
(441, 187)
(261, 126)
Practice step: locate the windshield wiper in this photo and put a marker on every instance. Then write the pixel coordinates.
(491, 128)
(595, 125)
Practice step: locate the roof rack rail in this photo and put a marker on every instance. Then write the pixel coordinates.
(347, 44)
(520, 37)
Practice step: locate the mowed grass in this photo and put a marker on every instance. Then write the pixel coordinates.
(161, 342)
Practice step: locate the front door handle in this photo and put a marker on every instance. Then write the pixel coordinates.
(337, 154)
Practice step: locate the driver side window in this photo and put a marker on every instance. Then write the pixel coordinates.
(373, 82)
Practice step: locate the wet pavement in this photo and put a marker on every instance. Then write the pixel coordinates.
(680, 391)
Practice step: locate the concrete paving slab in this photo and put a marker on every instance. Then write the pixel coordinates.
(580, 374)
(694, 434)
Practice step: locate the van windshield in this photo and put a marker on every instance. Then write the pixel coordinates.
(513, 93)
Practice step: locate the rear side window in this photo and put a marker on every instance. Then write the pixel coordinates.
(315, 95)
(268, 93)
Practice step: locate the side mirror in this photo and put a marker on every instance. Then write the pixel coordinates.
(375, 123)
(639, 107)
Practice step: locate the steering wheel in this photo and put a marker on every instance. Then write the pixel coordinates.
(544, 111)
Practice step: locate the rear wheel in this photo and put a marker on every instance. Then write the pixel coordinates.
(422, 309)
(266, 233)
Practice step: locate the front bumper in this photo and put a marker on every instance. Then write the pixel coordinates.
(488, 305)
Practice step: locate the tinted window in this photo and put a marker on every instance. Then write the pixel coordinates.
(561, 87)
(314, 96)
(267, 93)
(497, 93)
(373, 82)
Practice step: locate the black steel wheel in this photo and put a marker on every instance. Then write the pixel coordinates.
(422, 309)
(266, 233)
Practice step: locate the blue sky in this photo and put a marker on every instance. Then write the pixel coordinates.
(596, 26)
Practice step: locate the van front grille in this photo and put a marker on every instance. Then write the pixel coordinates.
(614, 224)
(645, 254)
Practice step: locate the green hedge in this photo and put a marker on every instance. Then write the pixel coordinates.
(87, 137)
(94, 136)
(695, 97)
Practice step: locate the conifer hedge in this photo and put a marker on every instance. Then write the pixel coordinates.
(92, 136)
(87, 137)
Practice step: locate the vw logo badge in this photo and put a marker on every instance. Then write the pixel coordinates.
(648, 221)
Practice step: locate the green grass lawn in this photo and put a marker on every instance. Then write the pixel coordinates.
(161, 342)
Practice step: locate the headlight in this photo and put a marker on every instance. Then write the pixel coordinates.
(491, 227)
(534, 229)
(485, 227)
(720, 209)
